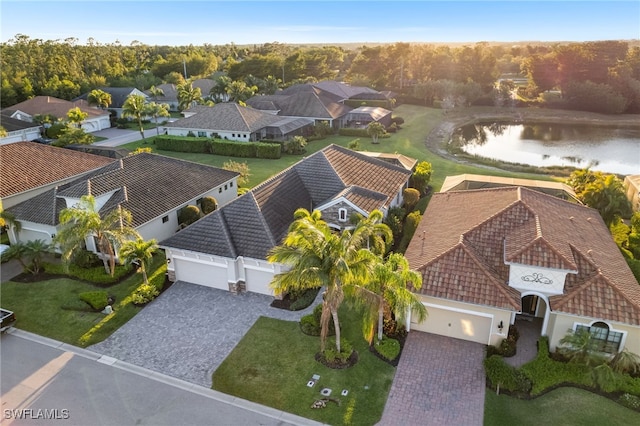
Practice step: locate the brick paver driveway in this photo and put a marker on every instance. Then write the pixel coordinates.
(439, 381)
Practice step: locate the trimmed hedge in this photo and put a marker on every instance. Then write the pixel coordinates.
(182, 144)
(95, 275)
(505, 376)
(388, 348)
(96, 299)
(246, 149)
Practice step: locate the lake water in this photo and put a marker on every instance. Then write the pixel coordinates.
(610, 150)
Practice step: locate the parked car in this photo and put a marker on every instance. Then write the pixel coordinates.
(7, 319)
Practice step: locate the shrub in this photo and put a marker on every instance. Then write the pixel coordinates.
(271, 151)
(188, 215)
(95, 275)
(630, 401)
(505, 376)
(309, 325)
(354, 144)
(209, 204)
(410, 226)
(398, 121)
(331, 353)
(304, 300)
(388, 348)
(411, 197)
(85, 259)
(144, 294)
(182, 144)
(96, 299)
(233, 149)
(55, 130)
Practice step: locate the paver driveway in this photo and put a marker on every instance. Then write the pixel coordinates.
(190, 329)
(439, 381)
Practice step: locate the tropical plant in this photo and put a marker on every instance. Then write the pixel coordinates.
(9, 221)
(138, 252)
(100, 98)
(30, 255)
(626, 362)
(134, 107)
(157, 110)
(608, 196)
(241, 168)
(421, 176)
(155, 92)
(188, 95)
(239, 91)
(387, 285)
(580, 346)
(72, 136)
(76, 116)
(3, 132)
(319, 257)
(375, 130)
(81, 221)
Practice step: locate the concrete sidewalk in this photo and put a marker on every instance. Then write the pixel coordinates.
(81, 387)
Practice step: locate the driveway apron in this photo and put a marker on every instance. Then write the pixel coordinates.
(190, 329)
(439, 381)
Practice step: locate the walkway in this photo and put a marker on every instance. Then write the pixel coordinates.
(190, 329)
(439, 381)
(527, 346)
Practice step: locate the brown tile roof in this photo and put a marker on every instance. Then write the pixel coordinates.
(30, 165)
(56, 107)
(465, 237)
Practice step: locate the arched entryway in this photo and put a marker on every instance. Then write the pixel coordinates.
(534, 314)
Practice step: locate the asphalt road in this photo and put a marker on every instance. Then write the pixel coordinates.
(47, 382)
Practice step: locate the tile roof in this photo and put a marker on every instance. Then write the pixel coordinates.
(258, 220)
(343, 90)
(29, 165)
(227, 117)
(55, 106)
(13, 124)
(303, 100)
(148, 185)
(118, 95)
(465, 237)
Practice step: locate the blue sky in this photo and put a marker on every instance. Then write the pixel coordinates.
(307, 21)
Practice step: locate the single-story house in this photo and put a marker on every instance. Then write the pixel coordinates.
(362, 116)
(118, 96)
(228, 248)
(170, 96)
(30, 168)
(235, 122)
(632, 189)
(18, 130)
(152, 187)
(96, 120)
(492, 257)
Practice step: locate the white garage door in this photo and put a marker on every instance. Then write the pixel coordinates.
(201, 273)
(454, 323)
(32, 235)
(258, 281)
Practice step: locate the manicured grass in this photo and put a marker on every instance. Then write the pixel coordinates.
(563, 406)
(273, 362)
(38, 307)
(410, 141)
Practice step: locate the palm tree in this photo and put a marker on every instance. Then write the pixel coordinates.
(157, 110)
(30, 254)
(219, 90)
(319, 257)
(581, 347)
(83, 220)
(188, 96)
(239, 91)
(156, 92)
(100, 98)
(387, 286)
(134, 106)
(138, 252)
(375, 130)
(607, 195)
(76, 116)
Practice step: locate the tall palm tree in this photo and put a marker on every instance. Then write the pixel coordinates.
(76, 116)
(100, 98)
(135, 107)
(157, 110)
(387, 286)
(138, 252)
(188, 96)
(319, 257)
(375, 130)
(83, 220)
(155, 92)
(219, 90)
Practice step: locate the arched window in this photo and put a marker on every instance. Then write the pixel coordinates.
(607, 340)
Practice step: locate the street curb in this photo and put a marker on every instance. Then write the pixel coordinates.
(165, 379)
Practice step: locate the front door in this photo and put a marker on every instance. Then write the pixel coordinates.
(529, 304)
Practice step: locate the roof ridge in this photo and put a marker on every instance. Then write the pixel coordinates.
(364, 157)
(272, 239)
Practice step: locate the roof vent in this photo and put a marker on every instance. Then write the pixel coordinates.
(570, 217)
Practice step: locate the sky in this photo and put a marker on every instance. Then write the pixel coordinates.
(177, 23)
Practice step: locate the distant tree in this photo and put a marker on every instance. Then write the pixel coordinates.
(188, 96)
(99, 98)
(241, 168)
(219, 90)
(135, 107)
(422, 176)
(3, 132)
(155, 92)
(375, 130)
(75, 116)
(156, 111)
(73, 136)
(239, 91)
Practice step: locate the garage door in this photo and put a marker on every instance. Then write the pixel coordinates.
(456, 323)
(201, 273)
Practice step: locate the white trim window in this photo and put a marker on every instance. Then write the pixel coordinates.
(607, 339)
(342, 215)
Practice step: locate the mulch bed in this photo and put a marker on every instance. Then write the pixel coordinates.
(283, 303)
(401, 338)
(338, 365)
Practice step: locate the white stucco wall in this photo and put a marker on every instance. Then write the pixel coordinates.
(96, 124)
(21, 135)
(31, 231)
(230, 135)
(547, 281)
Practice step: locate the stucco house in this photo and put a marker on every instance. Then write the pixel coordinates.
(30, 168)
(96, 120)
(632, 189)
(170, 96)
(235, 122)
(228, 248)
(152, 187)
(118, 96)
(18, 130)
(492, 257)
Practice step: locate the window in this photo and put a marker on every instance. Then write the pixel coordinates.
(230, 184)
(165, 219)
(342, 215)
(225, 186)
(220, 190)
(202, 134)
(607, 340)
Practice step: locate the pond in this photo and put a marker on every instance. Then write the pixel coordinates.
(609, 149)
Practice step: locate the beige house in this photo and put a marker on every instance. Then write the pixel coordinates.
(492, 257)
(632, 189)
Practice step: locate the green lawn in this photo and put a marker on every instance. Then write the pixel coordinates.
(273, 362)
(410, 141)
(563, 406)
(38, 307)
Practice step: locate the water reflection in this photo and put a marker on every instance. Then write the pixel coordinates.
(612, 150)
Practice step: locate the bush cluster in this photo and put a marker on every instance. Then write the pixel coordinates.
(182, 144)
(95, 275)
(310, 324)
(144, 294)
(507, 377)
(304, 299)
(331, 353)
(388, 348)
(630, 401)
(96, 299)
(246, 149)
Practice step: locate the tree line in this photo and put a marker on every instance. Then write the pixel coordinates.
(602, 76)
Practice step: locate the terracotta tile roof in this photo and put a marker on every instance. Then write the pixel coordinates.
(521, 225)
(56, 107)
(364, 198)
(30, 165)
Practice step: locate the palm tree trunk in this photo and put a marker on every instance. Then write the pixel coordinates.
(380, 318)
(324, 324)
(336, 323)
(144, 273)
